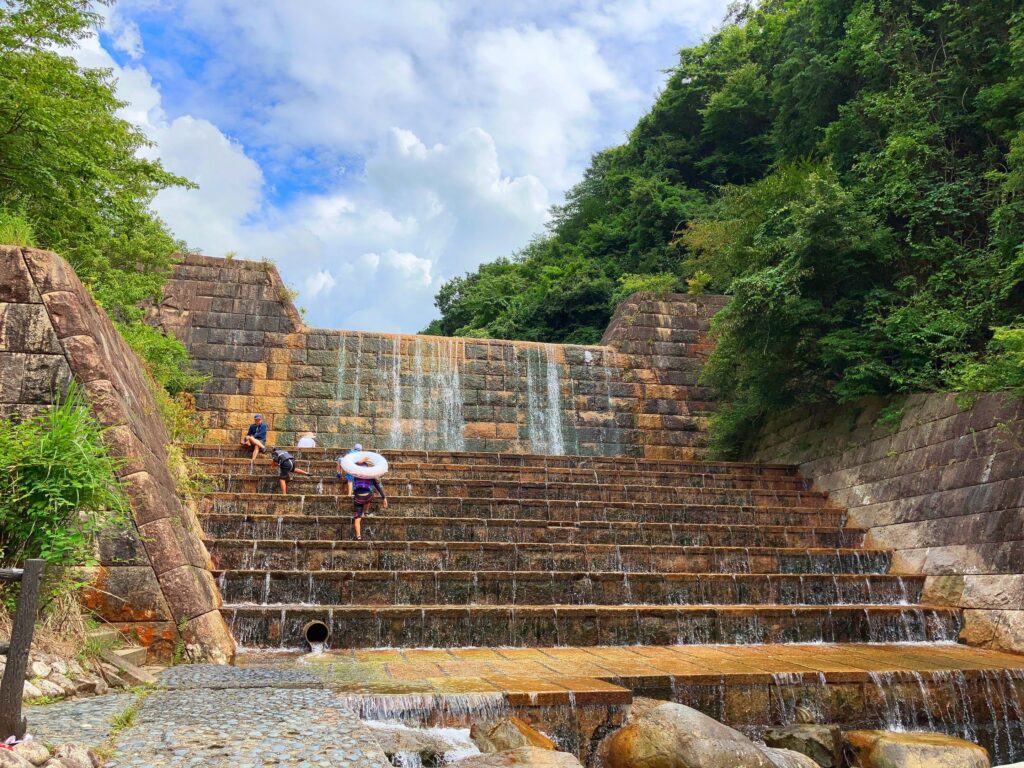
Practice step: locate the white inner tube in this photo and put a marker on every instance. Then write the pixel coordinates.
(376, 465)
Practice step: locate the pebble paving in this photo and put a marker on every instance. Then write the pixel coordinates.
(213, 716)
(246, 728)
(85, 721)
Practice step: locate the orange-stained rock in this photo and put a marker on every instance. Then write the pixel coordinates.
(508, 733)
(889, 749)
(523, 757)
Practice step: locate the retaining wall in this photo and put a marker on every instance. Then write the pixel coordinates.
(636, 394)
(153, 580)
(939, 480)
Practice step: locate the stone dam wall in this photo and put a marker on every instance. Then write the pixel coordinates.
(636, 394)
(939, 481)
(153, 580)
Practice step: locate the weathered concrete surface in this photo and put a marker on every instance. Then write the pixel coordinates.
(153, 577)
(636, 395)
(940, 481)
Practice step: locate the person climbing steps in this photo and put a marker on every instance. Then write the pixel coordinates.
(286, 464)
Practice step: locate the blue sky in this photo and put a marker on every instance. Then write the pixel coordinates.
(374, 150)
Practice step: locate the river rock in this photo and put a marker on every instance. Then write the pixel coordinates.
(675, 736)
(10, 759)
(889, 749)
(30, 691)
(508, 733)
(787, 758)
(50, 688)
(524, 757)
(74, 756)
(410, 741)
(33, 751)
(822, 743)
(38, 669)
(64, 682)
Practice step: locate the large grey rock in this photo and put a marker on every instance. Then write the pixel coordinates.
(30, 691)
(524, 757)
(889, 749)
(74, 756)
(9, 759)
(675, 736)
(508, 733)
(822, 743)
(33, 751)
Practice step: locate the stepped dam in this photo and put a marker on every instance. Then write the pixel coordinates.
(556, 541)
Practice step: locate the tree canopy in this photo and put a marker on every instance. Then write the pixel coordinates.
(70, 168)
(850, 172)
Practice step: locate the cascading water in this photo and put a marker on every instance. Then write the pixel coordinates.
(543, 401)
(396, 394)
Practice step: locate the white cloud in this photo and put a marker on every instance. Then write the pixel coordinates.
(463, 120)
(318, 283)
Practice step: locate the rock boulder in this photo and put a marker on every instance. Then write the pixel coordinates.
(675, 736)
(889, 749)
(822, 743)
(524, 757)
(508, 733)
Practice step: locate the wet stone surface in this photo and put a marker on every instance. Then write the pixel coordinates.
(241, 727)
(85, 721)
(215, 676)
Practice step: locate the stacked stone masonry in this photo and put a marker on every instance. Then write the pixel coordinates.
(937, 478)
(153, 580)
(635, 395)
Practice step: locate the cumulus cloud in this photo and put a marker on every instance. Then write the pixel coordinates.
(375, 150)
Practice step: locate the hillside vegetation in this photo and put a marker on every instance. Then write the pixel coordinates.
(74, 177)
(850, 172)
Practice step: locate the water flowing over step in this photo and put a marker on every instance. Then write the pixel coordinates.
(562, 585)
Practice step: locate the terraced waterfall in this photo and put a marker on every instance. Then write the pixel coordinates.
(555, 543)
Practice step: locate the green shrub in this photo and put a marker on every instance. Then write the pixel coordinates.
(58, 485)
(698, 282)
(15, 229)
(165, 357)
(1002, 367)
(661, 284)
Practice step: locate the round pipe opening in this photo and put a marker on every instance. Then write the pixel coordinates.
(316, 633)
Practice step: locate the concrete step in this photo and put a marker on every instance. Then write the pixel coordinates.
(433, 626)
(552, 510)
(384, 527)
(405, 472)
(460, 488)
(136, 655)
(481, 458)
(503, 588)
(228, 554)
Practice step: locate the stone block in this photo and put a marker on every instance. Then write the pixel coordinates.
(16, 285)
(207, 638)
(190, 592)
(26, 328)
(149, 501)
(42, 377)
(126, 593)
(86, 359)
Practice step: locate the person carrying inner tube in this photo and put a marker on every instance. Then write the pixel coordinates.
(362, 497)
(340, 470)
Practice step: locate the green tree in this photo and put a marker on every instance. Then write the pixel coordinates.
(69, 165)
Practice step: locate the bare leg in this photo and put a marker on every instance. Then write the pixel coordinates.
(284, 485)
(358, 522)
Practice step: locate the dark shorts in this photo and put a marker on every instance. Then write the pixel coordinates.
(286, 467)
(359, 509)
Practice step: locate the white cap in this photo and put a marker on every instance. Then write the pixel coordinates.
(357, 447)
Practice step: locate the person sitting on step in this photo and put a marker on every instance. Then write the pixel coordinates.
(256, 436)
(362, 498)
(286, 464)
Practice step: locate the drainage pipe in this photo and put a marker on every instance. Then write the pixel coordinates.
(316, 633)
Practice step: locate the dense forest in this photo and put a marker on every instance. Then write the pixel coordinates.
(850, 172)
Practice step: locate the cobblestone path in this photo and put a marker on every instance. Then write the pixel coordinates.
(203, 715)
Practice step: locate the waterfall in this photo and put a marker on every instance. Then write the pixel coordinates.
(418, 391)
(396, 393)
(358, 374)
(446, 403)
(544, 401)
(556, 444)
